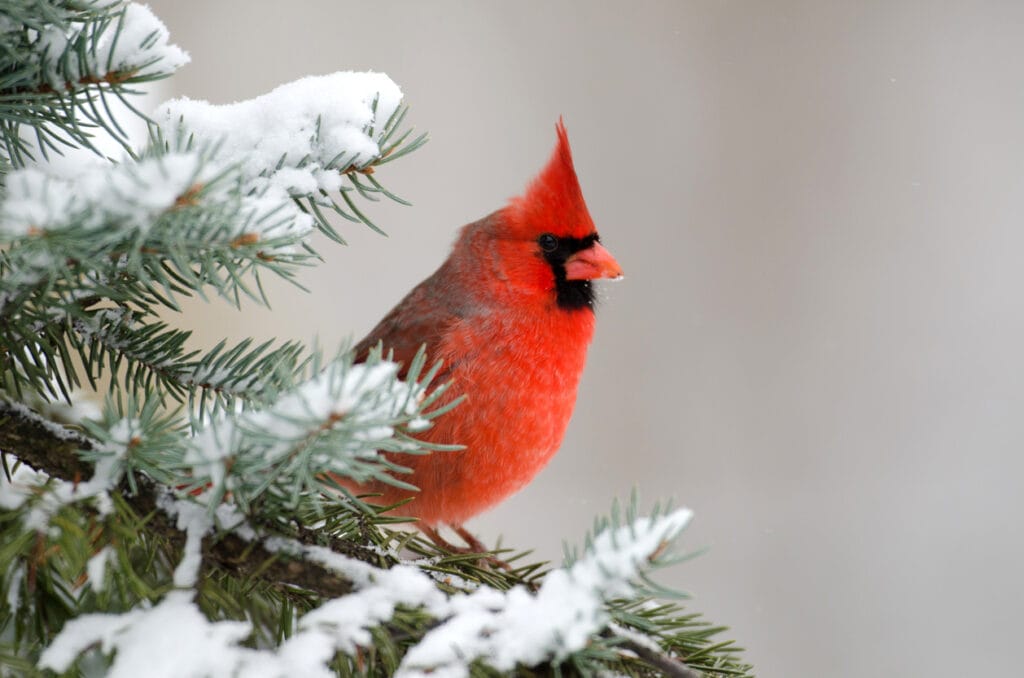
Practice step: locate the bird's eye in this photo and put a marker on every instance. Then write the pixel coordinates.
(548, 242)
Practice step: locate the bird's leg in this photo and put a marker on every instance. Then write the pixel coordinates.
(473, 545)
(438, 540)
(471, 541)
(477, 546)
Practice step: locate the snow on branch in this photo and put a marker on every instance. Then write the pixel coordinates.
(121, 231)
(500, 629)
(299, 135)
(303, 139)
(64, 62)
(101, 198)
(504, 629)
(108, 469)
(221, 195)
(335, 424)
(173, 638)
(147, 641)
(222, 192)
(164, 201)
(573, 617)
(61, 456)
(291, 452)
(131, 43)
(344, 624)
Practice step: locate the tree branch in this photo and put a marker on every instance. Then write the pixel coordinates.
(669, 666)
(53, 450)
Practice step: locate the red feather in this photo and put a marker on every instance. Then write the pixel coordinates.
(490, 313)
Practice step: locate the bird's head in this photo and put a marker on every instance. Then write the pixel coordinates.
(546, 239)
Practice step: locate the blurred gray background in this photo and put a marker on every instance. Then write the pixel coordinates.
(818, 344)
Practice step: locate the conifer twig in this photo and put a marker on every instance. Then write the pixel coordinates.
(670, 666)
(52, 450)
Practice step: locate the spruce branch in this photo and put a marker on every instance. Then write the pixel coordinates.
(63, 260)
(151, 357)
(61, 64)
(183, 218)
(667, 665)
(53, 450)
(320, 160)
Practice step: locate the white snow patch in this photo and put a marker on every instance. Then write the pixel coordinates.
(130, 195)
(52, 428)
(34, 201)
(96, 568)
(168, 640)
(196, 522)
(23, 485)
(229, 518)
(148, 641)
(344, 623)
(505, 629)
(14, 582)
(502, 629)
(122, 200)
(141, 48)
(292, 142)
(143, 39)
(108, 469)
(298, 136)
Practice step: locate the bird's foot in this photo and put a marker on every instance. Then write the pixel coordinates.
(473, 545)
(471, 541)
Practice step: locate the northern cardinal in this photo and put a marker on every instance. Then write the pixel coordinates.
(510, 313)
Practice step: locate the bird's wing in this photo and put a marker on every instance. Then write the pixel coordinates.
(421, 319)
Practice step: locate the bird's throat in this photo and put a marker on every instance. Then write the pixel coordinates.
(570, 295)
(573, 295)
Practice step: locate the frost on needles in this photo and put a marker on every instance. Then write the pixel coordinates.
(199, 523)
(503, 629)
(63, 65)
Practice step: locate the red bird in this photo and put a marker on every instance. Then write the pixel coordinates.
(511, 313)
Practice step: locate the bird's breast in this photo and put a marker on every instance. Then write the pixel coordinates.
(519, 377)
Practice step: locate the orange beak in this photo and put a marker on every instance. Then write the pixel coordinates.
(592, 263)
